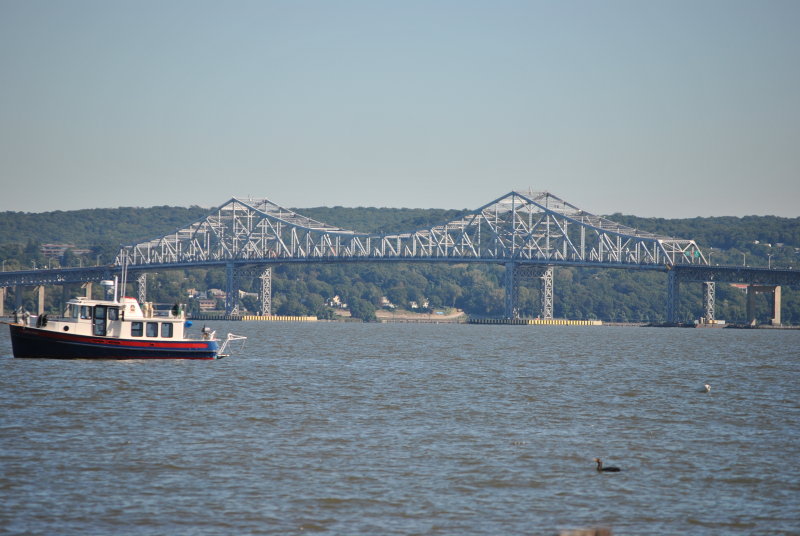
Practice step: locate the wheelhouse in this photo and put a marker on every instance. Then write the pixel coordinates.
(122, 319)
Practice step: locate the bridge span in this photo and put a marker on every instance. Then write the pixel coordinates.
(530, 233)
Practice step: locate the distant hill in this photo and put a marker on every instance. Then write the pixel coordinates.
(95, 226)
(722, 232)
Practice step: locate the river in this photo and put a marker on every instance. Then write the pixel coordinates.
(344, 428)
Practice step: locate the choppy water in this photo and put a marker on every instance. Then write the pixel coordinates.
(410, 429)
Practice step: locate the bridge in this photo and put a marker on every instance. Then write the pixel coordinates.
(530, 233)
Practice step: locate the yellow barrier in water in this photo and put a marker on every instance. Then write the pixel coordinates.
(279, 318)
(536, 321)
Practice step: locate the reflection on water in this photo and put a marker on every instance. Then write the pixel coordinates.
(410, 429)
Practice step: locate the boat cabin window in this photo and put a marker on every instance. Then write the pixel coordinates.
(137, 329)
(152, 329)
(113, 313)
(100, 320)
(74, 310)
(86, 312)
(166, 329)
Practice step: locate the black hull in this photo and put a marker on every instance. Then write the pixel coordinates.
(28, 342)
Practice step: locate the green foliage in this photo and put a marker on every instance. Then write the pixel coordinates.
(88, 227)
(610, 295)
(754, 240)
(363, 309)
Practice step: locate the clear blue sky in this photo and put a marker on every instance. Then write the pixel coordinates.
(655, 108)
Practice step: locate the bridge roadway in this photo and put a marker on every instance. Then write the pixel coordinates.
(758, 280)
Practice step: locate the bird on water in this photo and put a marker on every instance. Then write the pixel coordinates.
(609, 469)
(706, 388)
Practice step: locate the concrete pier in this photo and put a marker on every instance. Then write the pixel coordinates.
(775, 313)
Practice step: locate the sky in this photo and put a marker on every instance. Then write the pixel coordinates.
(673, 108)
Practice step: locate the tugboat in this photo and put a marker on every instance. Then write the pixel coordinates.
(113, 329)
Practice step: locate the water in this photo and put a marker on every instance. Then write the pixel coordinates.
(350, 429)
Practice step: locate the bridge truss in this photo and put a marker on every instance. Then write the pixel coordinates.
(521, 227)
(528, 232)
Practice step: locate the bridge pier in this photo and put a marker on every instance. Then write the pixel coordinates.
(516, 274)
(673, 296)
(40, 299)
(775, 313)
(709, 297)
(510, 295)
(18, 298)
(141, 283)
(546, 293)
(233, 278)
(265, 292)
(231, 289)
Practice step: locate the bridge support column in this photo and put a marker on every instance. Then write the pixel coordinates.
(2, 301)
(775, 312)
(18, 297)
(141, 283)
(751, 305)
(231, 290)
(265, 292)
(511, 298)
(776, 306)
(673, 296)
(88, 288)
(709, 292)
(546, 292)
(40, 299)
(516, 274)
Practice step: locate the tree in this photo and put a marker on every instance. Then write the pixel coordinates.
(250, 304)
(292, 307)
(69, 258)
(360, 308)
(398, 295)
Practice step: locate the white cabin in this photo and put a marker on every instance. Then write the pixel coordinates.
(123, 319)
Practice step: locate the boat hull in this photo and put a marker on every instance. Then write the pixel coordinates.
(30, 342)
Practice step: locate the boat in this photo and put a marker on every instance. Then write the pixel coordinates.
(114, 329)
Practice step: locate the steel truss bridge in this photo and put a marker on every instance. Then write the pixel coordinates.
(530, 233)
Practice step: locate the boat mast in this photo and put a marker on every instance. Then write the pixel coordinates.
(124, 277)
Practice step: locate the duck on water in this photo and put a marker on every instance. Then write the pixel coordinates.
(606, 469)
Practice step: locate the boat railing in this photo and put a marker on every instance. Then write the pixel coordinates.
(231, 337)
(175, 312)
